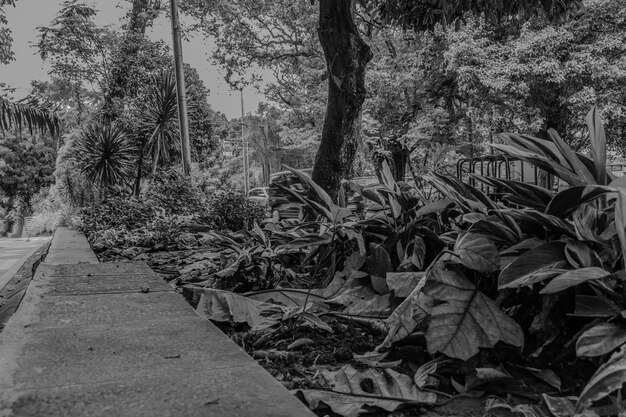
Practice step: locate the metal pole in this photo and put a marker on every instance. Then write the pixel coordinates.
(244, 149)
(180, 89)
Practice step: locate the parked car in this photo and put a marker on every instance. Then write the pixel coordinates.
(259, 195)
(283, 205)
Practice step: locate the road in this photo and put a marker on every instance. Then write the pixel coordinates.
(13, 253)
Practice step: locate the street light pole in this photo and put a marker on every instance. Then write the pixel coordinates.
(244, 149)
(180, 89)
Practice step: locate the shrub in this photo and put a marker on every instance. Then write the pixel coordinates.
(229, 209)
(116, 212)
(174, 193)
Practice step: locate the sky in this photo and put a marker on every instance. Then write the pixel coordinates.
(28, 14)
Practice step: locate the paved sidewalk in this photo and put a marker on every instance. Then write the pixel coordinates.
(114, 339)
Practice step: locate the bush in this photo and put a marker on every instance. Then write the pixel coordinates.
(174, 193)
(230, 210)
(117, 213)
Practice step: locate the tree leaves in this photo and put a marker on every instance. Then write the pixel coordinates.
(466, 319)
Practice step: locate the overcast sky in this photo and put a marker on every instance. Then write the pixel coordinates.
(28, 14)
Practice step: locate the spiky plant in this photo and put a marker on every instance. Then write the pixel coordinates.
(105, 154)
(158, 118)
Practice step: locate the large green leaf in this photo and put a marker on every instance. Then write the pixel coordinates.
(572, 159)
(608, 378)
(573, 278)
(411, 314)
(528, 195)
(495, 231)
(378, 264)
(403, 283)
(550, 166)
(620, 219)
(598, 144)
(523, 271)
(591, 306)
(318, 191)
(477, 253)
(567, 201)
(580, 255)
(600, 340)
(540, 220)
(466, 319)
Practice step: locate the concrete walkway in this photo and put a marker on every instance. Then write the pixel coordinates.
(114, 339)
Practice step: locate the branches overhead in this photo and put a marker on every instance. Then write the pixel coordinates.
(425, 14)
(30, 115)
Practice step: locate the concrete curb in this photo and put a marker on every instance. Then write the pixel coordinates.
(5, 278)
(113, 339)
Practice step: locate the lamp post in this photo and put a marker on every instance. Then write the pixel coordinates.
(180, 89)
(244, 149)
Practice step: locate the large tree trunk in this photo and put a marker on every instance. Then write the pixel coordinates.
(346, 57)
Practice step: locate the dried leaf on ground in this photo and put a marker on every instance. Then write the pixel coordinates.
(289, 297)
(220, 305)
(349, 399)
(375, 360)
(466, 319)
(363, 301)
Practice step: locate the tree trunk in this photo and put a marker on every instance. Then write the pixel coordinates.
(398, 160)
(137, 187)
(346, 57)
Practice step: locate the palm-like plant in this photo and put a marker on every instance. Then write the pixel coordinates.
(158, 118)
(105, 154)
(31, 115)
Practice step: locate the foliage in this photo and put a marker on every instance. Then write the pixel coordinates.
(105, 154)
(229, 209)
(6, 41)
(467, 277)
(26, 167)
(158, 118)
(33, 116)
(78, 50)
(174, 193)
(117, 212)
